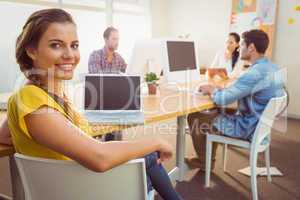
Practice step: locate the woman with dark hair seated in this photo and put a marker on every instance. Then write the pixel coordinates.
(227, 61)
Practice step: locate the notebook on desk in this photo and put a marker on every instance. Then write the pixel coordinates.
(113, 99)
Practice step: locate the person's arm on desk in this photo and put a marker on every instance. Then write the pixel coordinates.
(5, 137)
(245, 85)
(209, 89)
(60, 135)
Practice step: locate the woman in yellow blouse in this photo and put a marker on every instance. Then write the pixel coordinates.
(43, 123)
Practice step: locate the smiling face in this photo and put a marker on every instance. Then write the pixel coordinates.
(231, 44)
(57, 53)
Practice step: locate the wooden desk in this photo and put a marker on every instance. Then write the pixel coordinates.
(167, 104)
(6, 150)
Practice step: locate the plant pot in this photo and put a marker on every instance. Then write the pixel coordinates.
(152, 87)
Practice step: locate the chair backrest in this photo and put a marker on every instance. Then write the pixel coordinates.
(49, 179)
(264, 126)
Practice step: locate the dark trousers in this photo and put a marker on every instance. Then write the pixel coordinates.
(158, 178)
(114, 136)
(200, 124)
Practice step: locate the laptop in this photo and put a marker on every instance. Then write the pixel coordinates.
(113, 99)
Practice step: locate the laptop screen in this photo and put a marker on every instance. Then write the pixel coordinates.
(181, 55)
(112, 92)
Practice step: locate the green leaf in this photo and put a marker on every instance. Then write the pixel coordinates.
(151, 77)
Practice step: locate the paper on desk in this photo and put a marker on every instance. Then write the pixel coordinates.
(261, 171)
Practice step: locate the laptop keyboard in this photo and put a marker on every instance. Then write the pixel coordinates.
(116, 115)
(116, 118)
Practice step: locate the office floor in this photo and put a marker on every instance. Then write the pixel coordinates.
(231, 185)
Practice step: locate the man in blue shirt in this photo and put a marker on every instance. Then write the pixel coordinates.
(252, 91)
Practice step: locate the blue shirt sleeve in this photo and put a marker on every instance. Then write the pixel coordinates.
(242, 87)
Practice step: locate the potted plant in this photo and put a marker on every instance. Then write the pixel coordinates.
(151, 79)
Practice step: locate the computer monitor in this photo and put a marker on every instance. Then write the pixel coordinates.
(146, 57)
(176, 58)
(181, 56)
(181, 61)
(112, 92)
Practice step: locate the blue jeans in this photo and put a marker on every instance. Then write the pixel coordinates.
(158, 178)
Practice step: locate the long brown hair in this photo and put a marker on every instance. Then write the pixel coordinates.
(235, 53)
(35, 26)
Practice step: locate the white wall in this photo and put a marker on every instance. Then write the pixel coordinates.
(159, 18)
(12, 20)
(208, 23)
(287, 51)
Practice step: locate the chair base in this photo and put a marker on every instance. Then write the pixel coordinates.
(261, 171)
(174, 174)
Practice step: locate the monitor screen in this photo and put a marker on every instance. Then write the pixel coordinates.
(112, 93)
(181, 55)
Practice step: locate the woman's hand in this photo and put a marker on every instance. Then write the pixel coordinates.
(165, 150)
